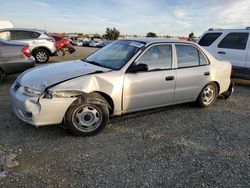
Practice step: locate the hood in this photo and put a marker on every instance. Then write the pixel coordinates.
(42, 77)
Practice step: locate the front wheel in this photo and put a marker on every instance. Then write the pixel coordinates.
(208, 95)
(60, 53)
(86, 119)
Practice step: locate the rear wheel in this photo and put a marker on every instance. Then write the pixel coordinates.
(208, 95)
(41, 55)
(86, 119)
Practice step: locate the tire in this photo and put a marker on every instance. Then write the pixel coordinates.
(86, 119)
(60, 53)
(208, 95)
(41, 56)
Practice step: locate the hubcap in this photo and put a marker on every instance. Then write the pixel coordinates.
(208, 95)
(87, 118)
(41, 56)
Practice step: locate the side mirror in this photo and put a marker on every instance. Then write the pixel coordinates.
(138, 68)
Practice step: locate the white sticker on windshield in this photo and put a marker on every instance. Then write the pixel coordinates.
(136, 44)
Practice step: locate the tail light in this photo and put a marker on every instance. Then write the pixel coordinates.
(26, 51)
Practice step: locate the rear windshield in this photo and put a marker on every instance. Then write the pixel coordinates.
(57, 38)
(209, 38)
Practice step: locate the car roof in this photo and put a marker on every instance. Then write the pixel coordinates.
(228, 30)
(149, 40)
(23, 29)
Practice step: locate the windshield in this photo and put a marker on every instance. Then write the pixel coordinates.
(116, 54)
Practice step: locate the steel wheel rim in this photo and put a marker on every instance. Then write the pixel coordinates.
(87, 118)
(208, 95)
(41, 56)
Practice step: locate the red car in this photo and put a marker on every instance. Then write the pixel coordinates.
(62, 45)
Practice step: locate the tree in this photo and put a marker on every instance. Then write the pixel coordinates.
(111, 34)
(151, 34)
(191, 36)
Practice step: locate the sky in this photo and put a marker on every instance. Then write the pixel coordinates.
(163, 17)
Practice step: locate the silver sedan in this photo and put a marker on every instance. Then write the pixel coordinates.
(125, 76)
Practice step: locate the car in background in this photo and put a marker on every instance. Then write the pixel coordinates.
(95, 43)
(14, 58)
(41, 45)
(232, 45)
(62, 44)
(79, 42)
(106, 42)
(125, 76)
(85, 43)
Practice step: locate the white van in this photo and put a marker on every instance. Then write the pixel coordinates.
(6, 24)
(232, 45)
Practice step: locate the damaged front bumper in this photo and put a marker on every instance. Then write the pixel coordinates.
(39, 111)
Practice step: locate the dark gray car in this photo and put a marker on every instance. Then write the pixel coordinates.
(14, 58)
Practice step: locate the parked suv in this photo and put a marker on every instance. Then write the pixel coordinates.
(41, 44)
(232, 45)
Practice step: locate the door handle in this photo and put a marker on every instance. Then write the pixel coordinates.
(221, 52)
(169, 78)
(206, 73)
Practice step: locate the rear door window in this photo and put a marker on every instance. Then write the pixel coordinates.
(209, 38)
(189, 56)
(20, 35)
(236, 41)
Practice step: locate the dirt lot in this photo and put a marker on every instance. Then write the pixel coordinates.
(175, 146)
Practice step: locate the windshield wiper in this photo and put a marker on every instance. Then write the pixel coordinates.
(95, 63)
(92, 62)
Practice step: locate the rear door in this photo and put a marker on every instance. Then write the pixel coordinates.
(154, 87)
(233, 47)
(192, 72)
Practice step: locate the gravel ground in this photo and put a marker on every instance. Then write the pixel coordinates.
(177, 146)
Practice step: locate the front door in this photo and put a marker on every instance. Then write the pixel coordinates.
(154, 87)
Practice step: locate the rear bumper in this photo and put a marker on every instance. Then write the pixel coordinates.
(38, 111)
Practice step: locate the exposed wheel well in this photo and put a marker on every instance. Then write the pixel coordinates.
(218, 86)
(108, 99)
(42, 47)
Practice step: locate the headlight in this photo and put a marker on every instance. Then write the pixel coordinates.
(30, 92)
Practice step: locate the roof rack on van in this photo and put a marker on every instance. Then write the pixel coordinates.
(212, 29)
(247, 28)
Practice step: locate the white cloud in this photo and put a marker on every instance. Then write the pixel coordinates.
(180, 13)
(235, 14)
(42, 4)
